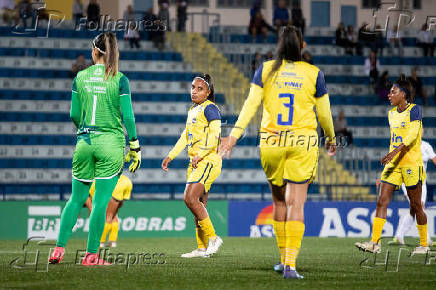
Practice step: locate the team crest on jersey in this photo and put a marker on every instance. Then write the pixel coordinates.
(194, 120)
(403, 124)
(98, 71)
(409, 171)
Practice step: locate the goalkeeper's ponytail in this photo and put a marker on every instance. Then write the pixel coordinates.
(107, 46)
(111, 56)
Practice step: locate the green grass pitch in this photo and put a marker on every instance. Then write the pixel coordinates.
(242, 263)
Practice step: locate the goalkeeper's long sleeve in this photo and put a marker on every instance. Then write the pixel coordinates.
(76, 110)
(126, 108)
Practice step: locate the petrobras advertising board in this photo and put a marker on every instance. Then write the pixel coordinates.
(136, 219)
(323, 219)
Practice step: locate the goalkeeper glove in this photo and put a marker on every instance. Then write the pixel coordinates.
(134, 154)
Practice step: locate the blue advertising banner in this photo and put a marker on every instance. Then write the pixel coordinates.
(323, 219)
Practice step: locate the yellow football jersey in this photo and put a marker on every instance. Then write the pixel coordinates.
(122, 190)
(289, 97)
(201, 135)
(400, 125)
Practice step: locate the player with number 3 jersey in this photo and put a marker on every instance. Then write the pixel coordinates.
(289, 89)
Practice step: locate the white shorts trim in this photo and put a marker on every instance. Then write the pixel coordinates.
(83, 180)
(112, 175)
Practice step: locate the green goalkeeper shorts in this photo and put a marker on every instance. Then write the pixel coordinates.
(98, 156)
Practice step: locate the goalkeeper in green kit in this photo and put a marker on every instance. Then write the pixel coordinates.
(100, 96)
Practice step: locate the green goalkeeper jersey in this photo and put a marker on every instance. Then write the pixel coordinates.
(98, 104)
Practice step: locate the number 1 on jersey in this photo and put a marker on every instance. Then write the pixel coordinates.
(289, 105)
(94, 108)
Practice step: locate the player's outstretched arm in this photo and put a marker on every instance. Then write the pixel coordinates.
(179, 147)
(249, 108)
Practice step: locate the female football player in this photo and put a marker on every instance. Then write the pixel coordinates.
(100, 94)
(201, 135)
(403, 164)
(289, 89)
(122, 192)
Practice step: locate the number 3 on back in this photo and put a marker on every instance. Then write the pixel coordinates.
(289, 105)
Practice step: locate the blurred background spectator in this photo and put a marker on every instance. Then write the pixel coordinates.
(132, 35)
(155, 31)
(77, 11)
(394, 39)
(258, 26)
(372, 66)
(129, 14)
(93, 13)
(341, 36)
(24, 12)
(257, 5)
(164, 14)
(281, 14)
(182, 7)
(269, 55)
(340, 125)
(297, 16)
(419, 89)
(353, 42)
(379, 40)
(383, 86)
(8, 11)
(78, 65)
(366, 38)
(424, 40)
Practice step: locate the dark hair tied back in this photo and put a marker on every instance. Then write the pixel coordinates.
(209, 81)
(406, 87)
(289, 46)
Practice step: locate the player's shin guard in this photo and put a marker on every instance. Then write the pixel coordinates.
(202, 239)
(107, 228)
(113, 236)
(294, 236)
(207, 227)
(80, 192)
(422, 229)
(279, 229)
(377, 228)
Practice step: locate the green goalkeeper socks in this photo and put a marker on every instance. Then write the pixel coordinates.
(102, 196)
(80, 192)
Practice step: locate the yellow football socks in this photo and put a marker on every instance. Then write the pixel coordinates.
(107, 228)
(279, 229)
(377, 228)
(113, 236)
(207, 228)
(294, 235)
(202, 240)
(422, 229)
